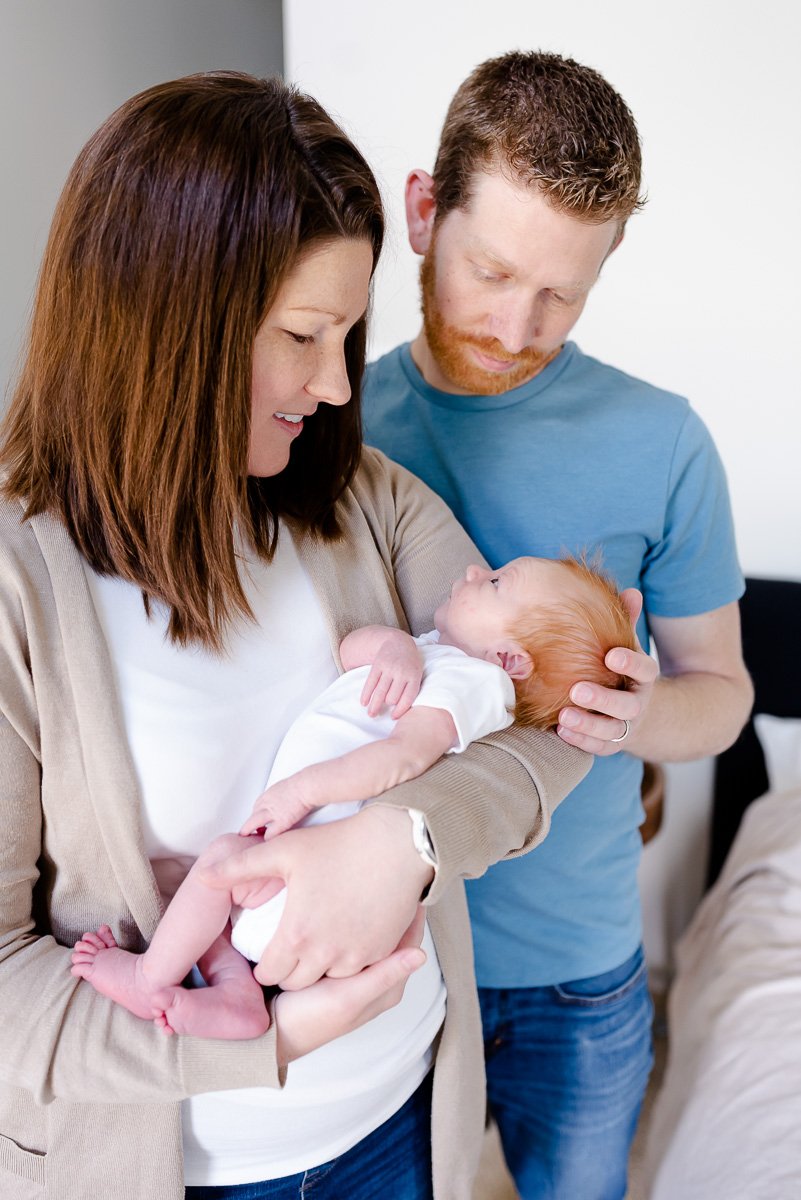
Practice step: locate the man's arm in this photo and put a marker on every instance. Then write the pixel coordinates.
(419, 738)
(696, 704)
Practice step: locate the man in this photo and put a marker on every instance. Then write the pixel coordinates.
(538, 448)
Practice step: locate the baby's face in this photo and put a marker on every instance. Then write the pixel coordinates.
(484, 606)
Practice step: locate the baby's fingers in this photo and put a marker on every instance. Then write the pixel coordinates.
(258, 819)
(405, 701)
(370, 684)
(379, 697)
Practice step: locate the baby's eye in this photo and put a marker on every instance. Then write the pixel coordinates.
(495, 581)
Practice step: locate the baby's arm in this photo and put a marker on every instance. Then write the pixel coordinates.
(396, 667)
(419, 738)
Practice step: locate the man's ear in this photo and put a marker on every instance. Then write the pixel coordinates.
(621, 233)
(515, 661)
(420, 210)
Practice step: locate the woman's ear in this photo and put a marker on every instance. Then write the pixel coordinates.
(420, 210)
(516, 662)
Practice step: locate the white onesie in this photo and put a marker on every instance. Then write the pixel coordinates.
(477, 694)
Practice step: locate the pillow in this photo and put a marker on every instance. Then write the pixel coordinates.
(780, 738)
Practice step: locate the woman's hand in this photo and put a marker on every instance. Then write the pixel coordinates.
(353, 887)
(603, 717)
(330, 1008)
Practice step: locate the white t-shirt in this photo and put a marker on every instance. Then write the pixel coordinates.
(203, 731)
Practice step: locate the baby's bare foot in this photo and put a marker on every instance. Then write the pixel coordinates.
(113, 972)
(225, 1010)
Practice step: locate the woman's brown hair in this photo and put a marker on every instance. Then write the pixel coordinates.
(131, 417)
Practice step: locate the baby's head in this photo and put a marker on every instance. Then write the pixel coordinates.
(548, 623)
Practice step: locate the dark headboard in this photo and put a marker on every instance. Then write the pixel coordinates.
(771, 617)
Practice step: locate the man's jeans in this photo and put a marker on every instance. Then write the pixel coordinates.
(567, 1068)
(394, 1160)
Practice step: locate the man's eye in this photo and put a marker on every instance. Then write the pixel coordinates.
(302, 339)
(487, 276)
(560, 299)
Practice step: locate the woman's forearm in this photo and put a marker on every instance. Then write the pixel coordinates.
(59, 1039)
(493, 801)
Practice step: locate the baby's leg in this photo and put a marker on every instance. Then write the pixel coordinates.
(195, 917)
(192, 923)
(231, 1006)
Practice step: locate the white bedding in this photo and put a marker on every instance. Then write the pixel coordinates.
(727, 1121)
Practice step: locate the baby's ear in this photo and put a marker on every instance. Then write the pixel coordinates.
(515, 661)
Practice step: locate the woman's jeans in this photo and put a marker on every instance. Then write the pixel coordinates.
(394, 1160)
(567, 1068)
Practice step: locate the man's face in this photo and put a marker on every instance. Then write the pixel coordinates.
(503, 283)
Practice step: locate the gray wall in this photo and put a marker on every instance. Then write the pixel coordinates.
(64, 66)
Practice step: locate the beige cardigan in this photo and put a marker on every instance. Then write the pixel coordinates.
(90, 1098)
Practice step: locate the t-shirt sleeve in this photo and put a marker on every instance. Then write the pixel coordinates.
(693, 568)
(478, 695)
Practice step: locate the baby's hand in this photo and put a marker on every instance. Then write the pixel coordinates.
(277, 809)
(395, 676)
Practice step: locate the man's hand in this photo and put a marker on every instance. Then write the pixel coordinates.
(603, 717)
(395, 676)
(352, 890)
(692, 705)
(330, 1008)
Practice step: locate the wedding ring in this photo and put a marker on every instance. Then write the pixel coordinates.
(625, 732)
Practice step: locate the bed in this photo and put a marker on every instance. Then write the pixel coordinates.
(727, 1119)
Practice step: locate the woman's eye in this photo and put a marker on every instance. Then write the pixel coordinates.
(302, 339)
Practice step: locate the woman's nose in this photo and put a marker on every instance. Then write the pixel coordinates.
(330, 383)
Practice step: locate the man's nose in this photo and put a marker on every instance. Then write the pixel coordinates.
(517, 324)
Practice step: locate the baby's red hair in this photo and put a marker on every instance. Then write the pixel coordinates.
(568, 642)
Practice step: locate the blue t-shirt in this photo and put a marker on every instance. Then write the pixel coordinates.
(581, 457)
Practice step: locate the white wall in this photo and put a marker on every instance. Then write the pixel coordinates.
(64, 66)
(702, 297)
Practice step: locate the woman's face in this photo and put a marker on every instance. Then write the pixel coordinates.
(299, 351)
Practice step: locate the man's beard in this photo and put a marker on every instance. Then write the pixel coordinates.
(450, 348)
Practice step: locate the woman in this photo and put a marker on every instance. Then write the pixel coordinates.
(189, 528)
